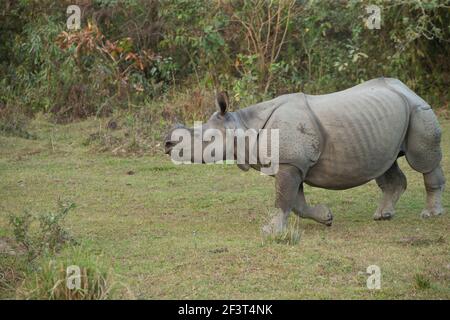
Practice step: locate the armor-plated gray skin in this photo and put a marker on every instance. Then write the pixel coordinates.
(342, 140)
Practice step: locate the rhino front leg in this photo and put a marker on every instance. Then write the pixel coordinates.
(392, 183)
(319, 213)
(434, 185)
(287, 183)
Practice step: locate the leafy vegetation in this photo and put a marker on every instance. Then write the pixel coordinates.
(135, 53)
(50, 235)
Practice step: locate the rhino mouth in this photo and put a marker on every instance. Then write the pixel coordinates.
(168, 146)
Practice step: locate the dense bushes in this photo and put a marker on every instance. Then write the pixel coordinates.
(133, 53)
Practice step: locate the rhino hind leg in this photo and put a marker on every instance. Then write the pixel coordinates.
(392, 183)
(423, 153)
(434, 185)
(422, 145)
(319, 213)
(287, 183)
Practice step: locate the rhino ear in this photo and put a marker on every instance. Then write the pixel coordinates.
(222, 102)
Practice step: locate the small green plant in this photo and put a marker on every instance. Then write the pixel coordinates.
(421, 282)
(50, 234)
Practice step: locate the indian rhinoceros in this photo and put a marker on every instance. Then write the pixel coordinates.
(342, 140)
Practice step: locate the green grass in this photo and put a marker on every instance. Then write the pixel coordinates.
(194, 231)
(49, 279)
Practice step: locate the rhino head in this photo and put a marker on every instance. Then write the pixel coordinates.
(221, 121)
(225, 136)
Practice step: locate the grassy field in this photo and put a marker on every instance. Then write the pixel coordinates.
(194, 231)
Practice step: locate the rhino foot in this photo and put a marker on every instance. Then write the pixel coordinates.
(379, 215)
(319, 213)
(427, 213)
(323, 215)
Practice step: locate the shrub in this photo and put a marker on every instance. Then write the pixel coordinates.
(50, 235)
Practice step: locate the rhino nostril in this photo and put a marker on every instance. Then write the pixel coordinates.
(169, 144)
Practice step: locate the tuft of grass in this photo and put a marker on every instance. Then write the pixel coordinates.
(421, 282)
(291, 236)
(12, 270)
(53, 280)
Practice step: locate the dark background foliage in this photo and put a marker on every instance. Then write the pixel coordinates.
(175, 53)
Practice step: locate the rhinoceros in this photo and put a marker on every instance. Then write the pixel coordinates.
(342, 140)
